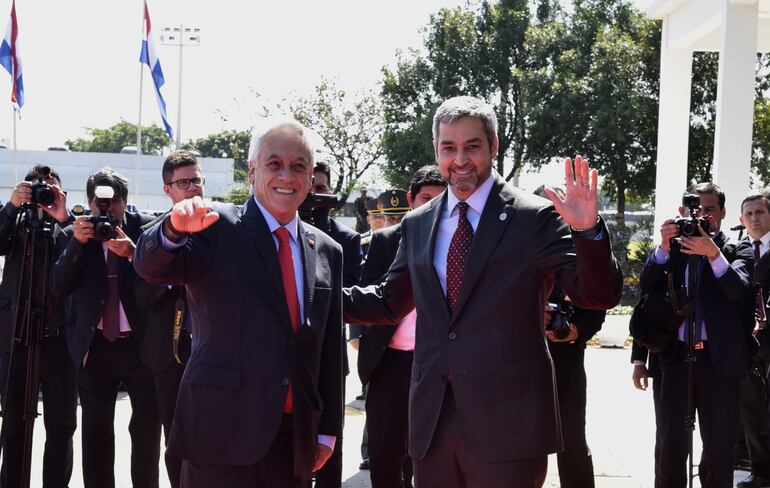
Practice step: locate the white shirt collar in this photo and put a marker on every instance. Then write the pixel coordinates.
(273, 224)
(477, 199)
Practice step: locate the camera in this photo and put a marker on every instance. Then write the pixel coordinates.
(688, 227)
(42, 192)
(560, 316)
(316, 207)
(104, 223)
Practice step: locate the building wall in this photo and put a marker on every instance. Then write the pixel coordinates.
(75, 167)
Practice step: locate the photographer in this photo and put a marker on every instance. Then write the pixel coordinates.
(330, 475)
(37, 206)
(719, 345)
(94, 266)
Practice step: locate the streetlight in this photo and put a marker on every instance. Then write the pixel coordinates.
(180, 36)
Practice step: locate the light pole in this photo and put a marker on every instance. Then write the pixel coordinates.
(180, 36)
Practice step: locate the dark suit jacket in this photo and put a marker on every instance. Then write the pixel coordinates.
(12, 247)
(721, 300)
(81, 271)
(374, 340)
(493, 346)
(159, 304)
(352, 255)
(231, 399)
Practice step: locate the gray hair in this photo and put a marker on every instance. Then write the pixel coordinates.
(267, 126)
(456, 108)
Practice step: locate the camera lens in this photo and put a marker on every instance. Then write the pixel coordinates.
(43, 194)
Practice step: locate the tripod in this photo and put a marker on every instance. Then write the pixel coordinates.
(36, 239)
(693, 265)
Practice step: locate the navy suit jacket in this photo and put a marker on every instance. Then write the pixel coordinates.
(244, 353)
(494, 345)
(722, 300)
(80, 271)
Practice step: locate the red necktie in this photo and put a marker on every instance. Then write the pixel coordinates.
(458, 252)
(111, 314)
(289, 289)
(758, 294)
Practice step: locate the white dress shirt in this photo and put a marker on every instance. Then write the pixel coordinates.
(448, 224)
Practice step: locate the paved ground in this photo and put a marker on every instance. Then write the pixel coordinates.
(620, 430)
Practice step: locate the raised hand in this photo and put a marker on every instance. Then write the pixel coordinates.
(580, 205)
(192, 215)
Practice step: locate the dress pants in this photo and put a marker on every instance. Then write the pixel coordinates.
(754, 408)
(387, 418)
(167, 387)
(716, 402)
(274, 470)
(107, 365)
(450, 462)
(576, 469)
(57, 379)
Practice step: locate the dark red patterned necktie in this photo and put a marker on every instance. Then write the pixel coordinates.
(289, 289)
(758, 296)
(458, 252)
(111, 314)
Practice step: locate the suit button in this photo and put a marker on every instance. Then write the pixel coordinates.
(452, 336)
(101, 302)
(285, 382)
(291, 342)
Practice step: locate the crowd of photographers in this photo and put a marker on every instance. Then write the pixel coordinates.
(700, 333)
(76, 321)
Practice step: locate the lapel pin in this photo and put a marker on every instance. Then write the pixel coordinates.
(311, 243)
(503, 216)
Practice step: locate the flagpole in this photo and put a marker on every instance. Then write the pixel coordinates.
(13, 154)
(139, 123)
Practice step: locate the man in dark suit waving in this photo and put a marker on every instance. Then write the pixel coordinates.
(478, 263)
(260, 402)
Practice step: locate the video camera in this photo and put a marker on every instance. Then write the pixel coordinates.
(104, 223)
(42, 192)
(688, 226)
(561, 315)
(317, 205)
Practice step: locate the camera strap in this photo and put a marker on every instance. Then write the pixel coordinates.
(179, 313)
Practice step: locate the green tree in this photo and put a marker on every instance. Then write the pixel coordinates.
(226, 144)
(592, 90)
(115, 138)
(350, 127)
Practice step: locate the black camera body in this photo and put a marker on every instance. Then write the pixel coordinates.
(688, 226)
(42, 192)
(104, 227)
(316, 206)
(560, 318)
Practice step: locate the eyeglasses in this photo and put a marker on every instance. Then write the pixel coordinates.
(184, 183)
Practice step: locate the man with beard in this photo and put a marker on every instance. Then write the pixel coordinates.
(478, 263)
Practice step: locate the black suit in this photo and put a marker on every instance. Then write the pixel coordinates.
(81, 271)
(386, 371)
(650, 360)
(57, 374)
(160, 304)
(330, 475)
(502, 397)
(718, 369)
(576, 468)
(244, 356)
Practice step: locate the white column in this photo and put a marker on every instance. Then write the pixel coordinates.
(673, 128)
(735, 104)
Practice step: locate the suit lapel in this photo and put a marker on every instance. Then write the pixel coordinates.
(257, 226)
(497, 214)
(429, 232)
(307, 244)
